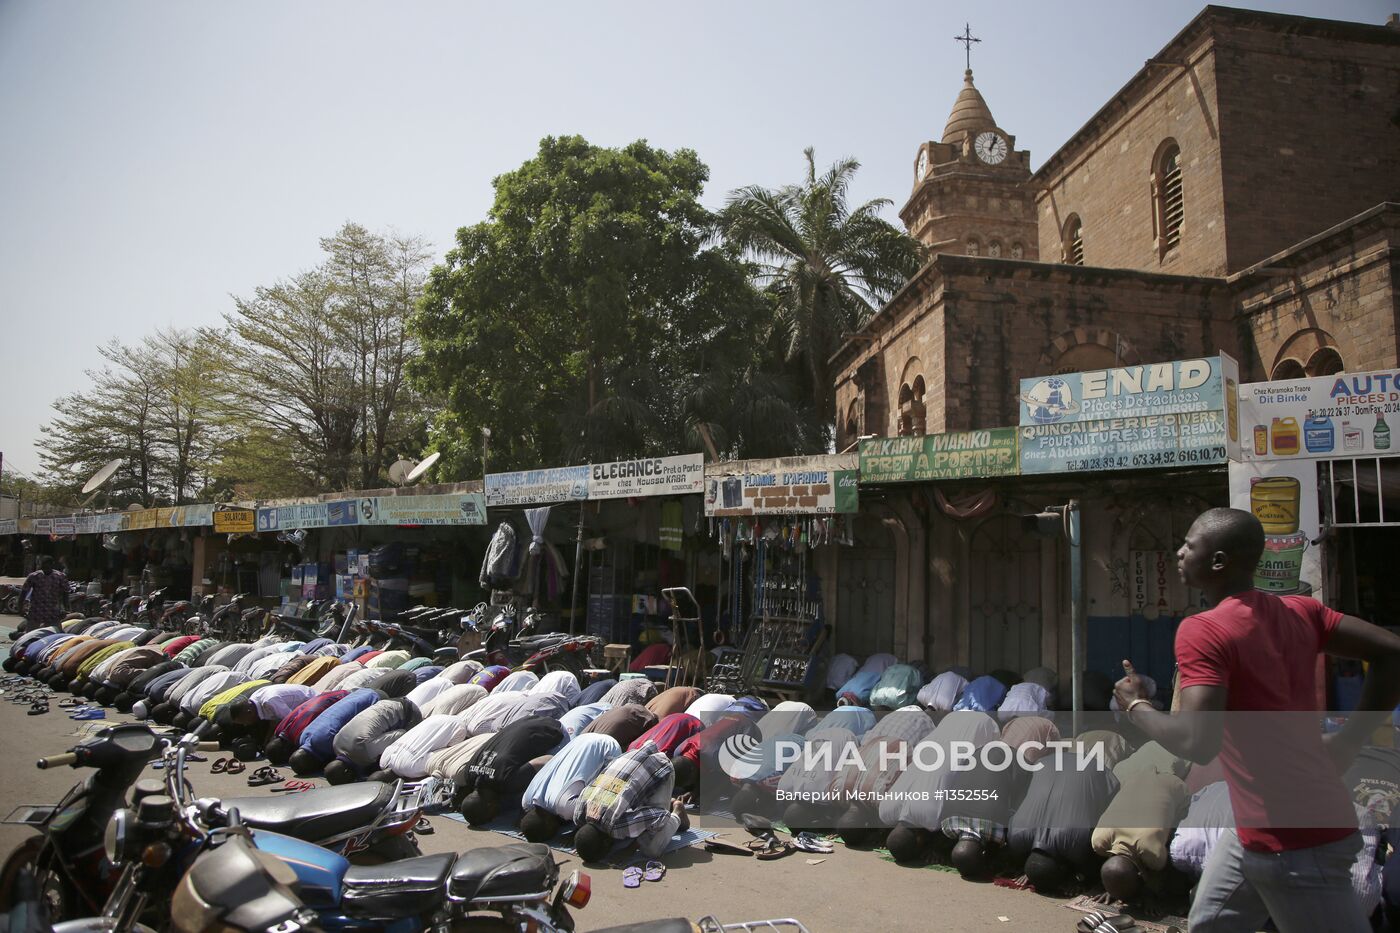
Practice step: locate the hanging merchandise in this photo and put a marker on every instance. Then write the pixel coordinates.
(500, 557)
(536, 519)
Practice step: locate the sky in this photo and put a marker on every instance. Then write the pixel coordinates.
(158, 157)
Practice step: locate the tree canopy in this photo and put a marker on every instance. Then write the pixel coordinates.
(578, 320)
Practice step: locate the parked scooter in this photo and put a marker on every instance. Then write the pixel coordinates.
(152, 845)
(66, 853)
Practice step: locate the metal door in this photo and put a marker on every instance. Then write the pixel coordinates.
(865, 592)
(1004, 599)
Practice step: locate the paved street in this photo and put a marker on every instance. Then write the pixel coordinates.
(848, 891)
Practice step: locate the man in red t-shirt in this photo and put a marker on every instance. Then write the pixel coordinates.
(1254, 656)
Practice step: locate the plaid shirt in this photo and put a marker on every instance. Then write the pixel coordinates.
(619, 800)
(989, 831)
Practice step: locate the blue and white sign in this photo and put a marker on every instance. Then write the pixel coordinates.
(342, 512)
(1178, 387)
(537, 487)
(1151, 441)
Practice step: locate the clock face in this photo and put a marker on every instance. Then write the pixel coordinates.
(990, 147)
(922, 166)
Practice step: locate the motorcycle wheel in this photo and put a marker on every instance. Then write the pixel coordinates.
(387, 849)
(63, 899)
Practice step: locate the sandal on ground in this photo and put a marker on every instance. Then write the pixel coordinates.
(263, 776)
(720, 847)
(38, 708)
(1100, 922)
(423, 827)
(70, 703)
(777, 851)
(235, 766)
(219, 766)
(809, 842)
(632, 877)
(654, 871)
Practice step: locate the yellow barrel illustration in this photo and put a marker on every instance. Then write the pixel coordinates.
(1274, 501)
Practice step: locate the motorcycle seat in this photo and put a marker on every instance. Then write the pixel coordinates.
(406, 888)
(503, 871)
(316, 814)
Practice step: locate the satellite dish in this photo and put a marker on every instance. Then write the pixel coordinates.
(101, 476)
(424, 466)
(398, 472)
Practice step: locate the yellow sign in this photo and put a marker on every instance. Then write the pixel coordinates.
(142, 519)
(235, 521)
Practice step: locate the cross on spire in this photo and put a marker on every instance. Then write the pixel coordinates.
(967, 39)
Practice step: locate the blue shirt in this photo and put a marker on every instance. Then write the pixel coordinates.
(317, 737)
(556, 787)
(578, 718)
(983, 695)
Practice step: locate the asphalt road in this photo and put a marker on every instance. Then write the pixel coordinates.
(848, 891)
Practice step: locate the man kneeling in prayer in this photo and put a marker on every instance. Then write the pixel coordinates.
(553, 793)
(629, 799)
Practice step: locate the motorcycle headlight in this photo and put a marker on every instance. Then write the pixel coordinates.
(114, 841)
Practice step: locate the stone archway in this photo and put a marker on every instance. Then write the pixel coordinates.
(1086, 348)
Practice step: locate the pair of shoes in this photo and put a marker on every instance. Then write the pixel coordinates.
(263, 776)
(634, 875)
(295, 787)
(38, 707)
(71, 703)
(88, 712)
(808, 842)
(226, 766)
(1100, 922)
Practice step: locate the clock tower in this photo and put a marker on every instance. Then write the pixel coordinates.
(972, 189)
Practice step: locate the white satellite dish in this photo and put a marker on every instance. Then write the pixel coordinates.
(101, 476)
(398, 471)
(424, 466)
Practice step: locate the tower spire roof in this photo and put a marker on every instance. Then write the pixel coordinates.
(970, 113)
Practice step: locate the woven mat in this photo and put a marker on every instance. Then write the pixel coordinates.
(622, 854)
(885, 855)
(1165, 923)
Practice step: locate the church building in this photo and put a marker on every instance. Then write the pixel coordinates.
(1239, 194)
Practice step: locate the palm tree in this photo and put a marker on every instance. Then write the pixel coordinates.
(828, 268)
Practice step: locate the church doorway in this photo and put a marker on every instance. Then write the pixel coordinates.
(865, 589)
(1003, 596)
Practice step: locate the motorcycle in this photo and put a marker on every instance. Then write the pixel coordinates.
(520, 649)
(371, 821)
(155, 841)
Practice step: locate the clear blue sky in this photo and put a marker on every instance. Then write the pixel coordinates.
(157, 157)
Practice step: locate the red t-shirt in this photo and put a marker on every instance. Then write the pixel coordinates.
(1263, 649)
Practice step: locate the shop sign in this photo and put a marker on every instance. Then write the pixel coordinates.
(142, 519)
(342, 512)
(9, 526)
(449, 509)
(292, 517)
(649, 476)
(537, 487)
(64, 526)
(110, 523)
(956, 455)
(791, 486)
(1346, 415)
(1178, 387)
(235, 521)
(1147, 442)
(41, 526)
(195, 516)
(1282, 494)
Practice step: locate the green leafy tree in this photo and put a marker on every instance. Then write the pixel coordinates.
(573, 321)
(827, 267)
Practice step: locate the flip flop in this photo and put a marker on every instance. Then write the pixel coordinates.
(219, 766)
(719, 847)
(71, 703)
(264, 776)
(423, 827)
(632, 877)
(235, 767)
(781, 850)
(38, 708)
(294, 787)
(654, 871)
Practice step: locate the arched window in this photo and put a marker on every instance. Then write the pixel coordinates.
(1017, 251)
(1073, 241)
(1169, 209)
(994, 249)
(1325, 362)
(1288, 369)
(853, 421)
(974, 247)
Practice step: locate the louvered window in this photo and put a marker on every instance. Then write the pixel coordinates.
(1074, 242)
(1173, 206)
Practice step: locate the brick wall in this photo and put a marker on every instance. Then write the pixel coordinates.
(988, 323)
(1339, 292)
(1106, 180)
(1310, 128)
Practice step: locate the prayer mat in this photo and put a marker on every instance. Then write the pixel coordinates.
(623, 853)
